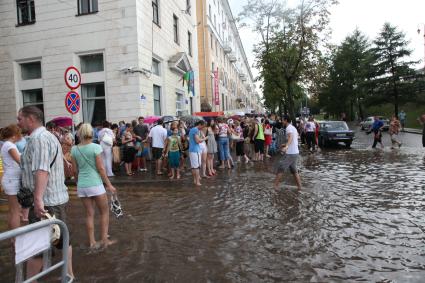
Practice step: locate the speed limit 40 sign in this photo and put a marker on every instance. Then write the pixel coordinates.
(72, 78)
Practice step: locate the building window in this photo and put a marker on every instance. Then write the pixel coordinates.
(31, 71)
(215, 21)
(87, 7)
(33, 97)
(94, 108)
(188, 7)
(156, 67)
(180, 104)
(189, 42)
(26, 12)
(209, 11)
(176, 29)
(91, 63)
(212, 43)
(156, 100)
(155, 11)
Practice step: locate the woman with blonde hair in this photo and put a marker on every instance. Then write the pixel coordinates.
(90, 175)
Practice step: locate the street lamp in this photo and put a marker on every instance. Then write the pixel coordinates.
(419, 32)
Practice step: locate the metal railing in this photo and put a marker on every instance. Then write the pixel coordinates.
(46, 269)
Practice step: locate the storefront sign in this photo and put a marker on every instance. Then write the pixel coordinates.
(216, 89)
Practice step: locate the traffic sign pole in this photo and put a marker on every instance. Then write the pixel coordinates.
(72, 99)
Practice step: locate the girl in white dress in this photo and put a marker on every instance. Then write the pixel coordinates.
(11, 181)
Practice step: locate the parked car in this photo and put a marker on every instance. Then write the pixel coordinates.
(333, 132)
(366, 125)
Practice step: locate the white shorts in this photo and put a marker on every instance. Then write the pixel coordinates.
(195, 160)
(11, 186)
(91, 191)
(203, 147)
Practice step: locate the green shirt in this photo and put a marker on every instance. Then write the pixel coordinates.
(88, 176)
(174, 142)
(260, 134)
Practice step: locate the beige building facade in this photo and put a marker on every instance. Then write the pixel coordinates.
(226, 81)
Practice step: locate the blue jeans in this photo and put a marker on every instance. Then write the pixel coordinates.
(223, 145)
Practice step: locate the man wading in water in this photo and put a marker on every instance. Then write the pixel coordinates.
(289, 160)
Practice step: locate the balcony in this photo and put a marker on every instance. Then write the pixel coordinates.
(227, 48)
(232, 58)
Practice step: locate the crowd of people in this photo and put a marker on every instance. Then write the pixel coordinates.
(37, 160)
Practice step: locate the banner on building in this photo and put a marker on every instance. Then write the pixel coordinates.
(216, 89)
(189, 78)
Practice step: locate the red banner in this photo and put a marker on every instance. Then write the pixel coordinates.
(216, 92)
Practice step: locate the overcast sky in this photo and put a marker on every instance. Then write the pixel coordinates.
(368, 15)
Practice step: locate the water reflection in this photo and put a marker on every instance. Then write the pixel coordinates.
(359, 218)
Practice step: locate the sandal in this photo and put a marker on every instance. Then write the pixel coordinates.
(116, 206)
(70, 279)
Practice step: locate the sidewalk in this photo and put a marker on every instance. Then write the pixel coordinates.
(412, 131)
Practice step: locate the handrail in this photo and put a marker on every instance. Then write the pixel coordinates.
(38, 225)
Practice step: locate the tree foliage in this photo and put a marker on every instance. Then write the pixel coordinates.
(394, 79)
(289, 54)
(364, 73)
(349, 76)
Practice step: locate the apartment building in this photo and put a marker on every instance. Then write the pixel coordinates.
(226, 81)
(132, 56)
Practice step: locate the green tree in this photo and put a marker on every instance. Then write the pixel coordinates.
(288, 54)
(394, 79)
(349, 76)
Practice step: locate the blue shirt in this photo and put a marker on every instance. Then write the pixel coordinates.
(377, 125)
(193, 145)
(21, 145)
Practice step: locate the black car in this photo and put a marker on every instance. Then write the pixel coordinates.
(333, 132)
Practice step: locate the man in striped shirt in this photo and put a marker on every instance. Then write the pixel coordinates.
(43, 174)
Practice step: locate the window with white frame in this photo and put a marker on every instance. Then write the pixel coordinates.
(176, 29)
(87, 7)
(155, 11)
(180, 104)
(189, 43)
(156, 100)
(212, 42)
(94, 106)
(188, 7)
(25, 10)
(33, 97)
(156, 67)
(31, 70)
(91, 63)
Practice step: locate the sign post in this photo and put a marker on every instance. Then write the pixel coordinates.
(72, 99)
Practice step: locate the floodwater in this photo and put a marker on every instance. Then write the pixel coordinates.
(359, 217)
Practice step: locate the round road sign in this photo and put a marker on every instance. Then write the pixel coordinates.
(72, 77)
(72, 102)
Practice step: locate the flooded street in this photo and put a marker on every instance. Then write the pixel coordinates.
(359, 217)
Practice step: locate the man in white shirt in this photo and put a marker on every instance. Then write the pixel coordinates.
(157, 136)
(310, 131)
(289, 161)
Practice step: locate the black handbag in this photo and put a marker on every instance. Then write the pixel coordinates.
(25, 196)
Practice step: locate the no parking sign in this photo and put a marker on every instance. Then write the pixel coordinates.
(72, 102)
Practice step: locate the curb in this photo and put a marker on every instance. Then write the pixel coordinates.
(412, 131)
(120, 181)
